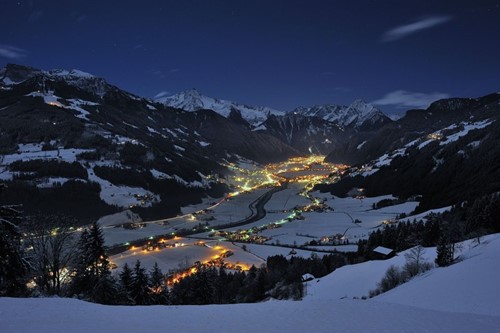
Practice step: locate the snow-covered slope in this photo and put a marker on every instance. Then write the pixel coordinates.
(469, 286)
(71, 315)
(463, 297)
(357, 115)
(192, 100)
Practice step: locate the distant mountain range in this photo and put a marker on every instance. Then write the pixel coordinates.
(192, 100)
(358, 115)
(93, 140)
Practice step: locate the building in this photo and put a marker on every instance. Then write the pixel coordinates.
(382, 253)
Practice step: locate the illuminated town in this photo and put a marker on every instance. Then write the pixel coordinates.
(271, 210)
(297, 175)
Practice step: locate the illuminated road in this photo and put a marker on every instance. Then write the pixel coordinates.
(257, 208)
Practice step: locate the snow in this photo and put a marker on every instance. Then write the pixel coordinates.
(192, 100)
(361, 145)
(33, 151)
(425, 143)
(73, 72)
(382, 250)
(470, 286)
(175, 135)
(474, 144)
(336, 248)
(347, 316)
(260, 128)
(152, 130)
(467, 128)
(74, 104)
(184, 255)
(51, 181)
(65, 154)
(203, 143)
(423, 215)
(119, 218)
(356, 114)
(179, 148)
(133, 126)
(121, 196)
(265, 251)
(159, 175)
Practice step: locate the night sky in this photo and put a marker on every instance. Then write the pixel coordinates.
(282, 54)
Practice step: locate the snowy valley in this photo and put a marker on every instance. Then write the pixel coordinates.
(188, 200)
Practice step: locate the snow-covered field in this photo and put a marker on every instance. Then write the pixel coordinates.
(461, 298)
(185, 255)
(338, 221)
(296, 233)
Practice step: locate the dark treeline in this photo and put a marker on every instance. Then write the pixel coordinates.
(76, 198)
(281, 278)
(50, 168)
(468, 220)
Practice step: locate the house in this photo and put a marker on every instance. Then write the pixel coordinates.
(382, 253)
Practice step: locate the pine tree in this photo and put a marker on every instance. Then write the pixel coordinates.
(140, 285)
(158, 290)
(92, 262)
(12, 265)
(125, 279)
(106, 290)
(444, 255)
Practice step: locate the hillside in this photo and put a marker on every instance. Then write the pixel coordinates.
(447, 154)
(459, 298)
(469, 286)
(72, 143)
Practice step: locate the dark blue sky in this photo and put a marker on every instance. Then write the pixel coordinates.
(282, 54)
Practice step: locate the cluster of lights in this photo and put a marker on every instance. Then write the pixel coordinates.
(216, 260)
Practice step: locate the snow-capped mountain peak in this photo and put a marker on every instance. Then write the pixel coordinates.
(193, 100)
(13, 74)
(358, 115)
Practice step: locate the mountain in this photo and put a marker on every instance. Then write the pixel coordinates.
(359, 115)
(446, 154)
(72, 143)
(319, 129)
(308, 134)
(192, 100)
(14, 74)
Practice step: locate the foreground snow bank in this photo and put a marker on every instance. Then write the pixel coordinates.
(70, 315)
(468, 286)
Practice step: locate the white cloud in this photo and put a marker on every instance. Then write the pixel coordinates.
(11, 52)
(161, 94)
(408, 99)
(409, 29)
